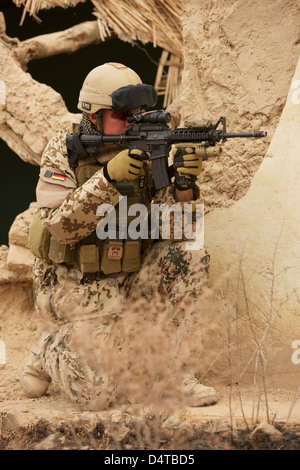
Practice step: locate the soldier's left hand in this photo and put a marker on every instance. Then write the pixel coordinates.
(187, 162)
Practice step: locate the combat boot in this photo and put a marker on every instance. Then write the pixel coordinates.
(195, 394)
(34, 381)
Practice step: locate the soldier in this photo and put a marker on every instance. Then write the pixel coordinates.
(79, 279)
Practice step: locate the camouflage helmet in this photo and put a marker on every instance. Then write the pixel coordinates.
(101, 82)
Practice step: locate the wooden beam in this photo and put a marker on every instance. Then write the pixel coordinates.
(66, 41)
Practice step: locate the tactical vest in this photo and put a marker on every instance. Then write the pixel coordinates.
(111, 256)
(91, 254)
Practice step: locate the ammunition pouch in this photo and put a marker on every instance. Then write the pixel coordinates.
(131, 260)
(88, 258)
(109, 256)
(44, 246)
(120, 256)
(39, 238)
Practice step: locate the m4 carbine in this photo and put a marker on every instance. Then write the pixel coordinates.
(149, 132)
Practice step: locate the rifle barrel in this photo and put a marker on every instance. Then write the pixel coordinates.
(228, 135)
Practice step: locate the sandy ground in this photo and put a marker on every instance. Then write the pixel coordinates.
(20, 331)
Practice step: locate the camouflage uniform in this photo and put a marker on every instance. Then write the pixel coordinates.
(75, 303)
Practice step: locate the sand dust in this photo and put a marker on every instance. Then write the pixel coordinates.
(20, 326)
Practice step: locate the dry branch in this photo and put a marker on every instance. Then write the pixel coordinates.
(67, 41)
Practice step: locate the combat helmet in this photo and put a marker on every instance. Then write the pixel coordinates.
(114, 86)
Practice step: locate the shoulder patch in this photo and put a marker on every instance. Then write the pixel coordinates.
(54, 176)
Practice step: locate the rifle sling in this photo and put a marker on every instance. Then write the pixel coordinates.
(77, 151)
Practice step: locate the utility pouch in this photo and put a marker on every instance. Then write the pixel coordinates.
(57, 251)
(88, 258)
(86, 169)
(111, 256)
(131, 260)
(39, 238)
(61, 252)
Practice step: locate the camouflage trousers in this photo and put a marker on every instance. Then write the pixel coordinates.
(82, 314)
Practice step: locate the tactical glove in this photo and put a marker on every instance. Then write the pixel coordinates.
(187, 165)
(126, 165)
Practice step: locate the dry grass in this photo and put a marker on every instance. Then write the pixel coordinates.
(155, 21)
(152, 348)
(252, 334)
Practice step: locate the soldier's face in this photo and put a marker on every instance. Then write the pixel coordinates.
(114, 122)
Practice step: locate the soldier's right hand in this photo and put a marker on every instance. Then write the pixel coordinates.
(126, 165)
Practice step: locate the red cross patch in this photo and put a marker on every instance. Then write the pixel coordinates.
(115, 252)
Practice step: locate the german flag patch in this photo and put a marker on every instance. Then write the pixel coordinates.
(58, 176)
(54, 176)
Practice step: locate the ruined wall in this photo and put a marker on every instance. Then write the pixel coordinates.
(241, 61)
(30, 112)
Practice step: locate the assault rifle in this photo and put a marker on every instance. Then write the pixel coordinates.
(150, 132)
